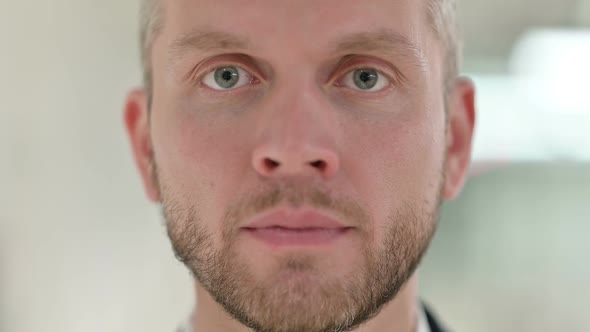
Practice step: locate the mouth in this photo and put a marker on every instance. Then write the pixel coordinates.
(278, 236)
(283, 227)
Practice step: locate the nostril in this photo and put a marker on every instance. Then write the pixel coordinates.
(270, 164)
(318, 164)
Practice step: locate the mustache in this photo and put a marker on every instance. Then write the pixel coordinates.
(294, 195)
(289, 192)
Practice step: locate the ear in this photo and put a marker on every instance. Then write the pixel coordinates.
(136, 117)
(461, 122)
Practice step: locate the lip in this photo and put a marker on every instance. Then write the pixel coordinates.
(308, 219)
(296, 228)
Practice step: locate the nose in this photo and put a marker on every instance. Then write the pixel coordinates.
(298, 139)
(274, 161)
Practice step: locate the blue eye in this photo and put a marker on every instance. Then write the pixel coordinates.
(227, 78)
(365, 79)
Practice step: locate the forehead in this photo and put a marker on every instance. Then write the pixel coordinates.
(287, 24)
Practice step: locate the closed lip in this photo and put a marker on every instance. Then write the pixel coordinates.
(294, 219)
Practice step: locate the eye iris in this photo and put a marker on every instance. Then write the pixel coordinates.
(365, 78)
(227, 77)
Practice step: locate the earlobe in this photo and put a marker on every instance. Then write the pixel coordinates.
(136, 118)
(461, 123)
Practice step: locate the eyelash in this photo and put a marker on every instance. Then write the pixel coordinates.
(382, 74)
(210, 69)
(198, 80)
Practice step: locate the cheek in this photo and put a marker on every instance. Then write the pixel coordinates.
(398, 162)
(197, 158)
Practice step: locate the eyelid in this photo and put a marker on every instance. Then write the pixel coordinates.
(209, 66)
(383, 83)
(367, 62)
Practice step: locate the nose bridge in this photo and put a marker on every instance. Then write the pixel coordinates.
(296, 132)
(298, 116)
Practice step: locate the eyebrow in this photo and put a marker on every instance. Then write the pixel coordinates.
(384, 41)
(206, 41)
(381, 41)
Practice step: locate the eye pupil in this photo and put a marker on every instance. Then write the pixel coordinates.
(365, 76)
(365, 79)
(227, 77)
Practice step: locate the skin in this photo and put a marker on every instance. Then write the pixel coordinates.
(300, 135)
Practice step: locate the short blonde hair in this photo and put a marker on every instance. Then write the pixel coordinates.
(441, 14)
(150, 21)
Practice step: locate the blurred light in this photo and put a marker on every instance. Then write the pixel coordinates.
(555, 66)
(541, 110)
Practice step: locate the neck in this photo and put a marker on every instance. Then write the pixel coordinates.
(399, 315)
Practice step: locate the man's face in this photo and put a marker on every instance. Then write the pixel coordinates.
(336, 106)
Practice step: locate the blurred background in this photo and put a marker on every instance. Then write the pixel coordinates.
(81, 249)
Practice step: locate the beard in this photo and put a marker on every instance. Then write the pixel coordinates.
(299, 294)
